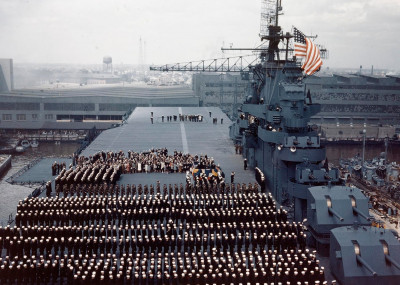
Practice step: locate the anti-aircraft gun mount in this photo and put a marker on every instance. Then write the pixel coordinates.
(364, 255)
(331, 206)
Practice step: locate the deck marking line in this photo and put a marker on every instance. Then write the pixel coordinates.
(183, 134)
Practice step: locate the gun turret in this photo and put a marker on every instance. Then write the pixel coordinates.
(358, 212)
(336, 214)
(392, 261)
(366, 265)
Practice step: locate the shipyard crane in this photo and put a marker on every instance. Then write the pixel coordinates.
(244, 64)
(256, 66)
(269, 31)
(228, 64)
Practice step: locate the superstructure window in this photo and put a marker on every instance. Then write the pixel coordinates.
(69, 107)
(21, 117)
(116, 107)
(7, 117)
(48, 116)
(35, 117)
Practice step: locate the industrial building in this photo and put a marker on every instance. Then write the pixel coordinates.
(81, 107)
(85, 107)
(356, 99)
(225, 90)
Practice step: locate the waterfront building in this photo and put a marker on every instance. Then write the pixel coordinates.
(226, 91)
(84, 107)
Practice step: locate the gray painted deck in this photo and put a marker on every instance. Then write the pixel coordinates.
(138, 134)
(41, 172)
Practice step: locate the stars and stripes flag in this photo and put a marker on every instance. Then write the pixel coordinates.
(305, 48)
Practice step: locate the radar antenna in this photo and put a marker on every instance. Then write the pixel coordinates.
(269, 15)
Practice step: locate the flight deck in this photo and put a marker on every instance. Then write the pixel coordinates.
(139, 134)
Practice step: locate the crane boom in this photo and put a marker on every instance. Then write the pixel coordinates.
(229, 64)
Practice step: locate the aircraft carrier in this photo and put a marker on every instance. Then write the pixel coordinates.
(180, 246)
(221, 219)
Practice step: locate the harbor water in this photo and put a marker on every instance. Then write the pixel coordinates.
(11, 194)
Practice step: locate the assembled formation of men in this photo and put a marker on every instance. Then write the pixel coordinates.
(56, 167)
(169, 235)
(108, 166)
(93, 230)
(185, 118)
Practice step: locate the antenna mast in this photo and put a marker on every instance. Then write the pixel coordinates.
(269, 15)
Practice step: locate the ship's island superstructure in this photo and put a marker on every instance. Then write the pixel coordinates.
(273, 126)
(207, 230)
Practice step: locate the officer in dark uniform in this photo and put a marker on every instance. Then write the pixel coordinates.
(48, 189)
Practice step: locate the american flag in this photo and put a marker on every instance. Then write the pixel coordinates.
(305, 48)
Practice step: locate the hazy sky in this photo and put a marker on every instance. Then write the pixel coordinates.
(365, 32)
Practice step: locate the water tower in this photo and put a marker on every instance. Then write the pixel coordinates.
(107, 64)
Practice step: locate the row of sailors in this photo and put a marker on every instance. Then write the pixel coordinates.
(221, 201)
(57, 167)
(190, 118)
(250, 258)
(47, 245)
(167, 268)
(170, 197)
(155, 229)
(153, 208)
(128, 216)
(117, 190)
(138, 242)
(123, 212)
(182, 118)
(85, 174)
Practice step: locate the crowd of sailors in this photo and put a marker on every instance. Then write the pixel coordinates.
(154, 160)
(107, 167)
(184, 118)
(92, 230)
(57, 167)
(181, 118)
(172, 235)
